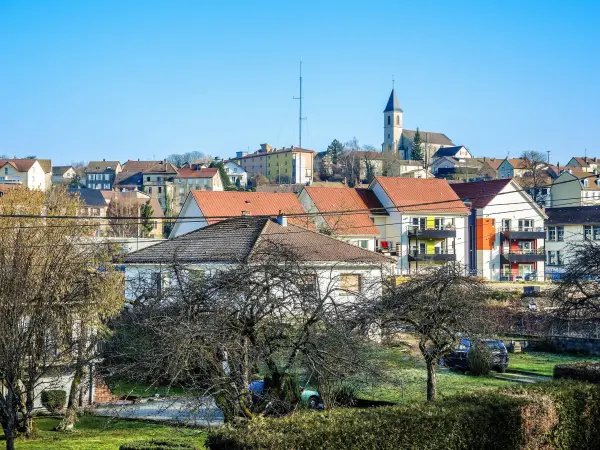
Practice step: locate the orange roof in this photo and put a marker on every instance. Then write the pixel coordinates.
(224, 204)
(340, 199)
(422, 194)
(186, 172)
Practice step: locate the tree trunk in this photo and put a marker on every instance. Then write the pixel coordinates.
(70, 418)
(9, 433)
(431, 379)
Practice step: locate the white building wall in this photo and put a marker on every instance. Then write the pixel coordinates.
(192, 211)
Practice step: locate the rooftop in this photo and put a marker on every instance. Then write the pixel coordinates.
(576, 215)
(245, 237)
(480, 193)
(393, 104)
(194, 173)
(150, 167)
(101, 166)
(89, 197)
(429, 137)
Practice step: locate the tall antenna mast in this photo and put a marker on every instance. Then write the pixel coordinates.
(300, 118)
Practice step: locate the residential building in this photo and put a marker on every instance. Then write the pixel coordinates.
(30, 173)
(567, 227)
(202, 208)
(158, 178)
(63, 174)
(583, 163)
(372, 163)
(286, 165)
(237, 175)
(426, 222)
(195, 178)
(94, 206)
(357, 226)
(398, 141)
(514, 167)
(506, 231)
(101, 174)
(450, 167)
(489, 167)
(347, 268)
(459, 152)
(575, 188)
(421, 172)
(133, 202)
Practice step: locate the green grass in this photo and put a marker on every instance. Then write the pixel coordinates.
(543, 363)
(408, 377)
(100, 433)
(144, 390)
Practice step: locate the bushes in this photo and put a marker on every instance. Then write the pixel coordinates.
(54, 400)
(159, 444)
(548, 415)
(578, 371)
(480, 359)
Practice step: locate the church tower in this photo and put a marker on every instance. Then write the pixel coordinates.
(392, 124)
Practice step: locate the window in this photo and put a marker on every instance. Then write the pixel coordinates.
(96, 212)
(106, 177)
(147, 178)
(150, 190)
(587, 232)
(308, 284)
(389, 120)
(6, 171)
(526, 225)
(397, 120)
(363, 243)
(107, 186)
(160, 189)
(560, 233)
(206, 182)
(596, 231)
(551, 258)
(559, 258)
(505, 224)
(155, 225)
(551, 233)
(418, 223)
(350, 283)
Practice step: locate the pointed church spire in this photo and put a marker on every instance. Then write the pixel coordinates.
(393, 104)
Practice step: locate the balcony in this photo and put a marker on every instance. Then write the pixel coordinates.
(524, 256)
(431, 233)
(524, 233)
(442, 256)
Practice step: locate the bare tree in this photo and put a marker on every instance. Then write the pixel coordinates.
(181, 159)
(50, 277)
(120, 211)
(211, 331)
(439, 305)
(535, 164)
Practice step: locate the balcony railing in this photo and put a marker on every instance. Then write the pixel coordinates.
(442, 232)
(525, 255)
(441, 255)
(523, 232)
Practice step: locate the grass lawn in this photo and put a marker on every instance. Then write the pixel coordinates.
(101, 433)
(407, 375)
(543, 363)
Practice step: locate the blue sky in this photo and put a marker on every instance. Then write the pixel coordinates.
(83, 80)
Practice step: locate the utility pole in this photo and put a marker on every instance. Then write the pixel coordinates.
(548, 151)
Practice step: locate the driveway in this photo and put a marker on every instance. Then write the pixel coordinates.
(187, 411)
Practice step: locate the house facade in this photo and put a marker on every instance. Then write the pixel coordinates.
(357, 226)
(286, 165)
(506, 231)
(426, 223)
(157, 180)
(237, 175)
(457, 152)
(575, 188)
(63, 174)
(202, 208)
(566, 227)
(28, 173)
(194, 178)
(583, 163)
(101, 174)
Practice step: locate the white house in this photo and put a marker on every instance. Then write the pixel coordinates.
(202, 208)
(457, 152)
(506, 231)
(575, 188)
(63, 174)
(235, 172)
(567, 226)
(426, 222)
(583, 163)
(240, 240)
(24, 172)
(357, 226)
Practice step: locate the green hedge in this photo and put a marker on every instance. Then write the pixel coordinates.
(578, 371)
(159, 444)
(549, 415)
(54, 400)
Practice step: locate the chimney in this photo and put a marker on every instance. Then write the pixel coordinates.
(281, 219)
(103, 160)
(246, 212)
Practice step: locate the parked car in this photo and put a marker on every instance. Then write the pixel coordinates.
(459, 358)
(309, 398)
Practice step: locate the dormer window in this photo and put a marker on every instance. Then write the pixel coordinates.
(585, 183)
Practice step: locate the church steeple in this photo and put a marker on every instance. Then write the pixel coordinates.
(393, 104)
(392, 124)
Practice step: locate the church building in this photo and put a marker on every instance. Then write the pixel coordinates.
(398, 141)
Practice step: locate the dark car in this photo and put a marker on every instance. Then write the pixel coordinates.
(459, 358)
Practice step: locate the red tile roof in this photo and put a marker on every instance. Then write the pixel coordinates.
(22, 165)
(223, 204)
(422, 194)
(480, 193)
(186, 172)
(345, 199)
(149, 167)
